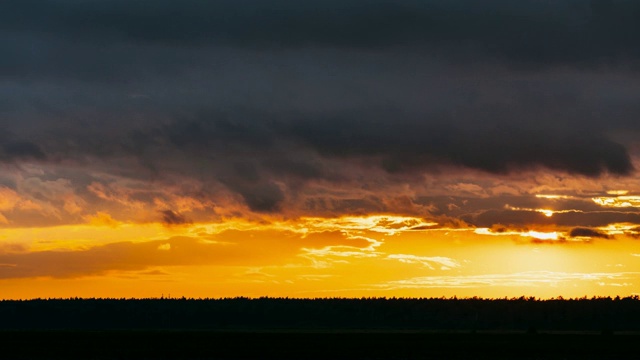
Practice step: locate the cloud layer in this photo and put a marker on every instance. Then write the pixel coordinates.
(319, 106)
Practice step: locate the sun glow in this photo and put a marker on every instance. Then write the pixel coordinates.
(618, 201)
(546, 212)
(379, 255)
(541, 235)
(553, 197)
(554, 235)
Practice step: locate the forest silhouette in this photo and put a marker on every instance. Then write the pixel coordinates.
(327, 328)
(598, 314)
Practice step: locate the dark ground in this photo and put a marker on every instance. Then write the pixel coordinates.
(600, 328)
(312, 345)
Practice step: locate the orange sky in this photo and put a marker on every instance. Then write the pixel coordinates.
(532, 251)
(319, 148)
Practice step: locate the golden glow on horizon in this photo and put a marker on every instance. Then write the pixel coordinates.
(377, 255)
(519, 279)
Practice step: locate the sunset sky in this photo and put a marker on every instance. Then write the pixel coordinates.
(348, 148)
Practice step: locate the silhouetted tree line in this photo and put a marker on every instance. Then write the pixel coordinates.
(473, 314)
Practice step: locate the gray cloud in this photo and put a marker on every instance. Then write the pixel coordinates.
(170, 217)
(489, 218)
(528, 31)
(21, 150)
(263, 97)
(494, 146)
(587, 232)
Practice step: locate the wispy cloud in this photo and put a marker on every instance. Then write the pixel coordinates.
(540, 235)
(545, 212)
(444, 263)
(623, 201)
(526, 279)
(386, 224)
(631, 229)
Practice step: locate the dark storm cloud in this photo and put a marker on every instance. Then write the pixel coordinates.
(12, 148)
(528, 31)
(170, 217)
(579, 212)
(490, 218)
(258, 195)
(586, 232)
(117, 39)
(263, 97)
(595, 219)
(21, 150)
(500, 147)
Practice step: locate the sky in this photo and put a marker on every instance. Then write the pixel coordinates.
(319, 148)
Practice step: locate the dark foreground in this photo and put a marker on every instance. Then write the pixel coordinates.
(312, 345)
(602, 315)
(240, 328)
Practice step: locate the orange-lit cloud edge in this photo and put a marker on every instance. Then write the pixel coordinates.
(458, 233)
